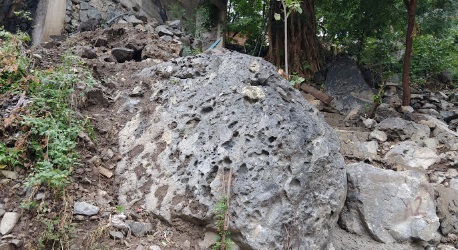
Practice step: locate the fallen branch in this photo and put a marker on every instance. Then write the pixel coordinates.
(325, 98)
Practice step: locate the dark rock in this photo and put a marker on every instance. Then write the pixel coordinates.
(122, 54)
(89, 25)
(234, 112)
(345, 83)
(85, 52)
(101, 42)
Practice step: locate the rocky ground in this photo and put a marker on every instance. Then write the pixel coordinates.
(401, 165)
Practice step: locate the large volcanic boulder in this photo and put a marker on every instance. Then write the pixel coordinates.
(215, 114)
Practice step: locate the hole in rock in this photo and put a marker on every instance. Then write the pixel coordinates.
(272, 139)
(172, 125)
(227, 160)
(295, 183)
(206, 110)
(137, 55)
(232, 124)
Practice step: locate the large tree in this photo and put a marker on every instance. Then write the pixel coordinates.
(410, 6)
(303, 48)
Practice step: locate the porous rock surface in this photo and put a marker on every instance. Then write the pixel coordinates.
(212, 113)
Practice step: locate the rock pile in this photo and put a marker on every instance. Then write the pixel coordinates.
(408, 193)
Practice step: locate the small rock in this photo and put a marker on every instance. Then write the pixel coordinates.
(407, 109)
(101, 42)
(369, 123)
(210, 238)
(139, 228)
(40, 196)
(85, 208)
(17, 243)
(105, 172)
(116, 235)
(154, 247)
(378, 135)
(2, 212)
(122, 54)
(9, 221)
(9, 174)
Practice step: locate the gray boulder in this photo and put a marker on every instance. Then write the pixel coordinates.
(398, 128)
(442, 133)
(389, 206)
(213, 113)
(447, 208)
(345, 83)
(409, 154)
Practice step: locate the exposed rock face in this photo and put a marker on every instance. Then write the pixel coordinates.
(212, 113)
(345, 83)
(389, 206)
(447, 207)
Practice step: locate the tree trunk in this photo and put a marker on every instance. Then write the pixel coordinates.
(303, 47)
(410, 6)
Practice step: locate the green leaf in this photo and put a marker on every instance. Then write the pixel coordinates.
(277, 16)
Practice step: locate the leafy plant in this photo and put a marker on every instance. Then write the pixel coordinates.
(295, 79)
(9, 157)
(221, 209)
(222, 213)
(56, 234)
